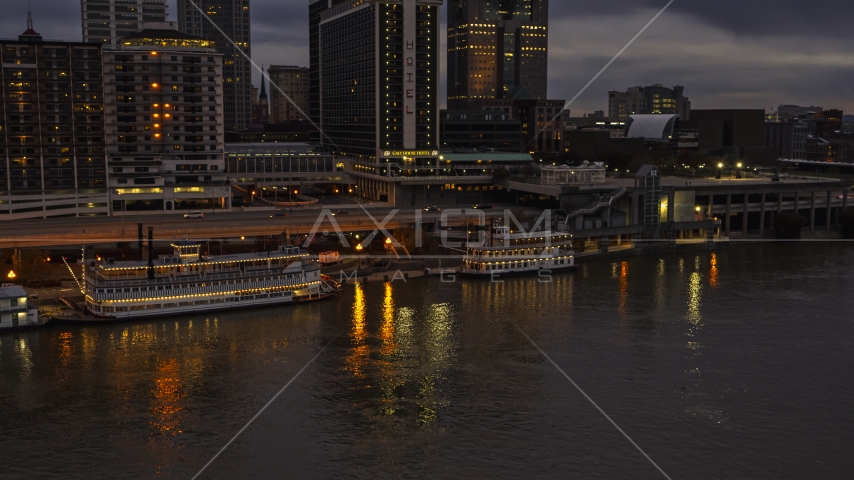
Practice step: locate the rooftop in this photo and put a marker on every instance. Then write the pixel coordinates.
(12, 292)
(487, 157)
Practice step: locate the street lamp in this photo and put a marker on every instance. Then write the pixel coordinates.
(359, 254)
(11, 275)
(738, 172)
(720, 167)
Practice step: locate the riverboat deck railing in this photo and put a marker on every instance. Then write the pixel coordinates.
(160, 278)
(207, 290)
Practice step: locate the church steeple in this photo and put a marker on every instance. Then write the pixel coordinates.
(263, 95)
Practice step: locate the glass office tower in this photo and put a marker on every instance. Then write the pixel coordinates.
(495, 49)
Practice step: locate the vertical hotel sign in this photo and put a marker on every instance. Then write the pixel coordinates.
(409, 73)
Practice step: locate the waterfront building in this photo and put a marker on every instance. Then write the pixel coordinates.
(491, 130)
(820, 149)
(652, 100)
(164, 113)
(16, 310)
(788, 139)
(585, 174)
(293, 81)
(283, 169)
(106, 21)
(374, 64)
(651, 127)
(496, 47)
(232, 17)
(52, 156)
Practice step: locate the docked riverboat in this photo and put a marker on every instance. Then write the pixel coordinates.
(187, 282)
(504, 253)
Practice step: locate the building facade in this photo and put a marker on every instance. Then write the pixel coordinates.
(496, 47)
(279, 171)
(16, 309)
(106, 21)
(789, 139)
(542, 121)
(52, 152)
(294, 81)
(164, 117)
(480, 129)
(376, 62)
(232, 17)
(651, 100)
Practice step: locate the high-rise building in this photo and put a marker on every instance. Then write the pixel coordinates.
(542, 121)
(232, 17)
(105, 21)
(376, 65)
(52, 160)
(655, 99)
(496, 47)
(164, 116)
(294, 82)
(788, 139)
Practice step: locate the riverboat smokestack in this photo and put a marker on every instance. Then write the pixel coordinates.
(139, 243)
(151, 253)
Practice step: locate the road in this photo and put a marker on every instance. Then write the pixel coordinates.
(90, 230)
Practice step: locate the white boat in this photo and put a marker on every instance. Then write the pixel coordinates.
(186, 282)
(504, 253)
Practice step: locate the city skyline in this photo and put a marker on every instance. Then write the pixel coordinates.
(743, 56)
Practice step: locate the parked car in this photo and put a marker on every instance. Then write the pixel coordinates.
(432, 209)
(194, 215)
(484, 206)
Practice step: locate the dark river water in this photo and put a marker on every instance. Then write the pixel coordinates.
(737, 364)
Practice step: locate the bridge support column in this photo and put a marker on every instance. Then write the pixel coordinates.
(671, 206)
(728, 213)
(603, 245)
(812, 211)
(827, 214)
(762, 214)
(745, 215)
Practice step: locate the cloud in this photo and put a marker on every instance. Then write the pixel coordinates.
(727, 53)
(718, 67)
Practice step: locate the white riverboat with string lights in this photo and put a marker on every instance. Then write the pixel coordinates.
(504, 253)
(187, 282)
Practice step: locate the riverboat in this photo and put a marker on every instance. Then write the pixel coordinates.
(504, 253)
(187, 282)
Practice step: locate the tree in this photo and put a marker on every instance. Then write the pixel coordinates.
(406, 237)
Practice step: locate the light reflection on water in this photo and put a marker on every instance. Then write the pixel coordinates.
(428, 380)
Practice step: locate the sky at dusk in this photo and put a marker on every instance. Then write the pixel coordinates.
(727, 53)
